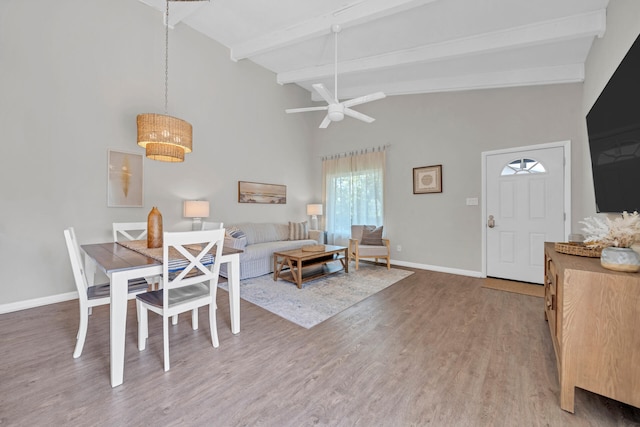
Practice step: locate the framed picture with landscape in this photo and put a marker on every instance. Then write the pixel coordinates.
(255, 192)
(427, 179)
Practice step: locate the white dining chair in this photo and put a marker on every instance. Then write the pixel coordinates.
(188, 283)
(89, 296)
(134, 231)
(129, 230)
(209, 225)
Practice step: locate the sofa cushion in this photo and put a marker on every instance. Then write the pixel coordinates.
(235, 243)
(371, 235)
(282, 232)
(258, 244)
(371, 251)
(259, 232)
(257, 259)
(260, 250)
(298, 230)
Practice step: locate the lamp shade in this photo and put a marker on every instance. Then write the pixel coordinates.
(164, 138)
(314, 209)
(196, 209)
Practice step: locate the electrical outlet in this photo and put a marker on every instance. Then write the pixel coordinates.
(399, 248)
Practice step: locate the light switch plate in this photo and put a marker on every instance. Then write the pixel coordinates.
(472, 201)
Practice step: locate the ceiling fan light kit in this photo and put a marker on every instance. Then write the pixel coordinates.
(336, 112)
(335, 109)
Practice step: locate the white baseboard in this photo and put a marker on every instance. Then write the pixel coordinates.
(36, 302)
(439, 269)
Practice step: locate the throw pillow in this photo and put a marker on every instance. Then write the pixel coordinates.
(234, 232)
(298, 230)
(371, 236)
(235, 238)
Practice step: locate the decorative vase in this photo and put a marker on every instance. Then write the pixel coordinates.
(620, 259)
(154, 229)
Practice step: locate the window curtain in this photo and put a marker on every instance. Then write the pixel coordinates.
(353, 192)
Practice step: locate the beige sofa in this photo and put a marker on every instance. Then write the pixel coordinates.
(260, 240)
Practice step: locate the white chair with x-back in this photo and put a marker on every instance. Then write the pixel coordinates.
(209, 225)
(187, 284)
(89, 296)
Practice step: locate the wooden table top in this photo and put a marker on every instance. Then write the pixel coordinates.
(114, 257)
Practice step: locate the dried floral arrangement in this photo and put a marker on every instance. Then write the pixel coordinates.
(621, 232)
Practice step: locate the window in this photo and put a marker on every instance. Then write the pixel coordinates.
(353, 192)
(523, 166)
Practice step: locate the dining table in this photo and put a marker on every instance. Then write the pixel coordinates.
(121, 264)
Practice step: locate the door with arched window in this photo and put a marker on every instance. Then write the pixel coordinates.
(525, 207)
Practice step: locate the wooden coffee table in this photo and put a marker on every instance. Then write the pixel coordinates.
(309, 265)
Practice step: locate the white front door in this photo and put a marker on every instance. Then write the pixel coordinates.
(525, 207)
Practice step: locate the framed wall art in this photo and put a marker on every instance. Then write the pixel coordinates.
(427, 179)
(255, 192)
(124, 179)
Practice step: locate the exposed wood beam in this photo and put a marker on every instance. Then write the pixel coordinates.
(585, 25)
(573, 73)
(354, 13)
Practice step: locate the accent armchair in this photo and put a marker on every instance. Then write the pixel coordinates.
(367, 242)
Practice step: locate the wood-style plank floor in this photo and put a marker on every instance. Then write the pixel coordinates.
(433, 349)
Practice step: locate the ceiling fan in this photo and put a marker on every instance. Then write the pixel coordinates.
(336, 110)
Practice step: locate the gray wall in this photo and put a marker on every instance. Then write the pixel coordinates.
(75, 74)
(438, 230)
(451, 129)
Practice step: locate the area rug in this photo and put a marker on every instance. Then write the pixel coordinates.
(318, 299)
(515, 287)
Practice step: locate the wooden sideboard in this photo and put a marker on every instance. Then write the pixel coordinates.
(594, 319)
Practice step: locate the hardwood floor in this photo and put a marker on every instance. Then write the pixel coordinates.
(433, 349)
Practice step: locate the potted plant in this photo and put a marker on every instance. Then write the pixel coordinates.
(615, 237)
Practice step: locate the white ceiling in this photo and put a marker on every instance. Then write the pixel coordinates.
(403, 46)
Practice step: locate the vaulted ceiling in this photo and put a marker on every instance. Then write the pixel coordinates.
(402, 46)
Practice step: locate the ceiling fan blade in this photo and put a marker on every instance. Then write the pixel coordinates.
(363, 99)
(325, 123)
(324, 93)
(356, 115)
(302, 110)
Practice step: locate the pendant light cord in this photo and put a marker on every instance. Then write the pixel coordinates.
(166, 62)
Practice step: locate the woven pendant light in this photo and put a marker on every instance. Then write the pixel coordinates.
(165, 138)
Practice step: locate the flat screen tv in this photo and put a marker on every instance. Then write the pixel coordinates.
(613, 125)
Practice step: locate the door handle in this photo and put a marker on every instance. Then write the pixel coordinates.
(491, 222)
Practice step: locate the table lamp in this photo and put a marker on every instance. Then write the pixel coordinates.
(314, 210)
(196, 209)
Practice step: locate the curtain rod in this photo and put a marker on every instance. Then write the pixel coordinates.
(356, 152)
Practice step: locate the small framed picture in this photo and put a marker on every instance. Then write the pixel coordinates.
(427, 179)
(124, 179)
